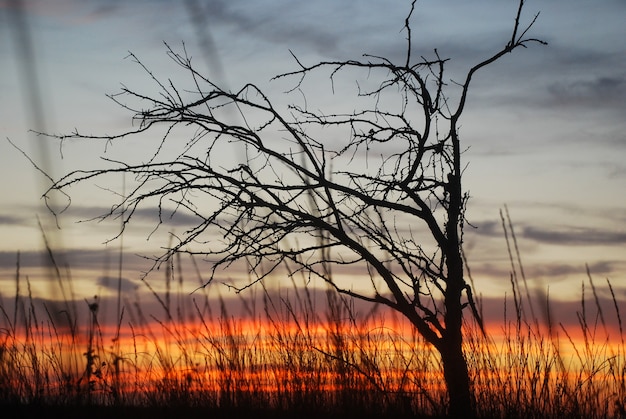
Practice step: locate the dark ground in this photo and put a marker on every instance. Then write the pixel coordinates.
(102, 412)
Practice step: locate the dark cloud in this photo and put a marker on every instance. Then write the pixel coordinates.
(271, 24)
(618, 140)
(565, 235)
(11, 220)
(551, 271)
(490, 270)
(486, 228)
(598, 91)
(72, 258)
(617, 171)
(114, 283)
(104, 9)
(562, 270)
(81, 10)
(546, 308)
(574, 236)
(168, 216)
(542, 307)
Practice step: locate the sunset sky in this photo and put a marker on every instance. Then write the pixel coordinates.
(545, 126)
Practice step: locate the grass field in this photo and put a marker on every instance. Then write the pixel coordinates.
(294, 354)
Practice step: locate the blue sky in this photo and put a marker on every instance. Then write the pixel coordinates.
(545, 126)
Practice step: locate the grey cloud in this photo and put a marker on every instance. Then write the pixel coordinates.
(598, 91)
(616, 213)
(574, 236)
(486, 228)
(617, 171)
(104, 9)
(618, 140)
(71, 258)
(11, 220)
(82, 11)
(271, 24)
(112, 283)
(561, 270)
(490, 270)
(552, 271)
(562, 312)
(566, 235)
(168, 216)
(493, 309)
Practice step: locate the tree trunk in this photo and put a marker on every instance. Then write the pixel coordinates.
(457, 381)
(455, 369)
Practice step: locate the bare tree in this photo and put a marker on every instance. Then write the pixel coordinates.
(378, 187)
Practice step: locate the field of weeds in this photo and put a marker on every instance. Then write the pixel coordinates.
(296, 354)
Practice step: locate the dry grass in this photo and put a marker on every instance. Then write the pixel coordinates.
(293, 355)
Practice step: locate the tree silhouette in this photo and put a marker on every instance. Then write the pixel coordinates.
(377, 187)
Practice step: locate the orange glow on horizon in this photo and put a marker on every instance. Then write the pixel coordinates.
(278, 360)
